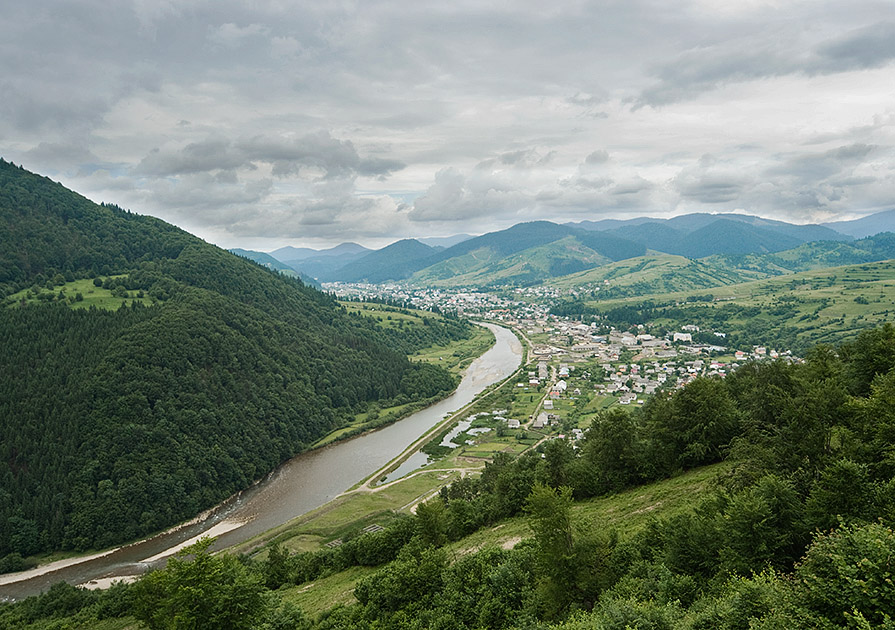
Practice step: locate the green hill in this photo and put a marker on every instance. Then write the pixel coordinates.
(394, 262)
(201, 373)
(485, 267)
(700, 234)
(815, 255)
(525, 254)
(655, 273)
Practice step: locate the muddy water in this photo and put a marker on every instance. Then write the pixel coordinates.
(303, 483)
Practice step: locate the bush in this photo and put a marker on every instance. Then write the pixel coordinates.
(848, 572)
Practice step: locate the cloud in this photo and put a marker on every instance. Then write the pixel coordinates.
(212, 154)
(387, 119)
(335, 158)
(597, 157)
(753, 57)
(710, 183)
(455, 196)
(231, 35)
(318, 152)
(61, 155)
(868, 47)
(819, 166)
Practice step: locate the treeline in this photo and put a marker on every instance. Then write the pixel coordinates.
(117, 424)
(46, 229)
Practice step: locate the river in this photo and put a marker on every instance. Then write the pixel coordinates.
(302, 484)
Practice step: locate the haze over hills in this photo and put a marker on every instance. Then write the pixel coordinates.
(286, 254)
(445, 241)
(319, 264)
(867, 226)
(266, 260)
(203, 372)
(394, 262)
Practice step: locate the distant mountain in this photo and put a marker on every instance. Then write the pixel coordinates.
(291, 254)
(444, 241)
(322, 263)
(660, 237)
(491, 258)
(270, 262)
(733, 237)
(657, 273)
(394, 262)
(663, 273)
(867, 226)
(804, 233)
(701, 234)
(484, 267)
(816, 255)
(524, 254)
(610, 224)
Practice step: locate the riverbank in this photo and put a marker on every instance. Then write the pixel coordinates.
(302, 484)
(370, 502)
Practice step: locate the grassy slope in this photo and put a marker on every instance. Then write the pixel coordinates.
(658, 272)
(483, 267)
(94, 296)
(828, 303)
(626, 511)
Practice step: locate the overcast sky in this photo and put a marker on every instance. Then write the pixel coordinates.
(277, 123)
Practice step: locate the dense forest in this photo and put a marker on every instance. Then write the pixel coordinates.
(797, 531)
(117, 423)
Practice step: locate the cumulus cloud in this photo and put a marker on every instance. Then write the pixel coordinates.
(196, 157)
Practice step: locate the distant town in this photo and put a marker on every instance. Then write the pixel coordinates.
(568, 358)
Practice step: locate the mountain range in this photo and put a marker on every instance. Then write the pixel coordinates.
(529, 253)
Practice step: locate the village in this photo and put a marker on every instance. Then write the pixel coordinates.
(573, 370)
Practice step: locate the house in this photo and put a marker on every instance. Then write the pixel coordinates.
(684, 337)
(548, 404)
(558, 389)
(512, 423)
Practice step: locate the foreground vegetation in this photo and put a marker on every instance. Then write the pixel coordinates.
(795, 531)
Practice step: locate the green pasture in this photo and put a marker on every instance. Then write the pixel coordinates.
(90, 296)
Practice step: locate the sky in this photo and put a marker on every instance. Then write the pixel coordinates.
(270, 123)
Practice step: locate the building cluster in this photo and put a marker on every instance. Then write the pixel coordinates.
(635, 363)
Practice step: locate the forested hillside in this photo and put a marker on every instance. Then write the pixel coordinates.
(795, 532)
(116, 423)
